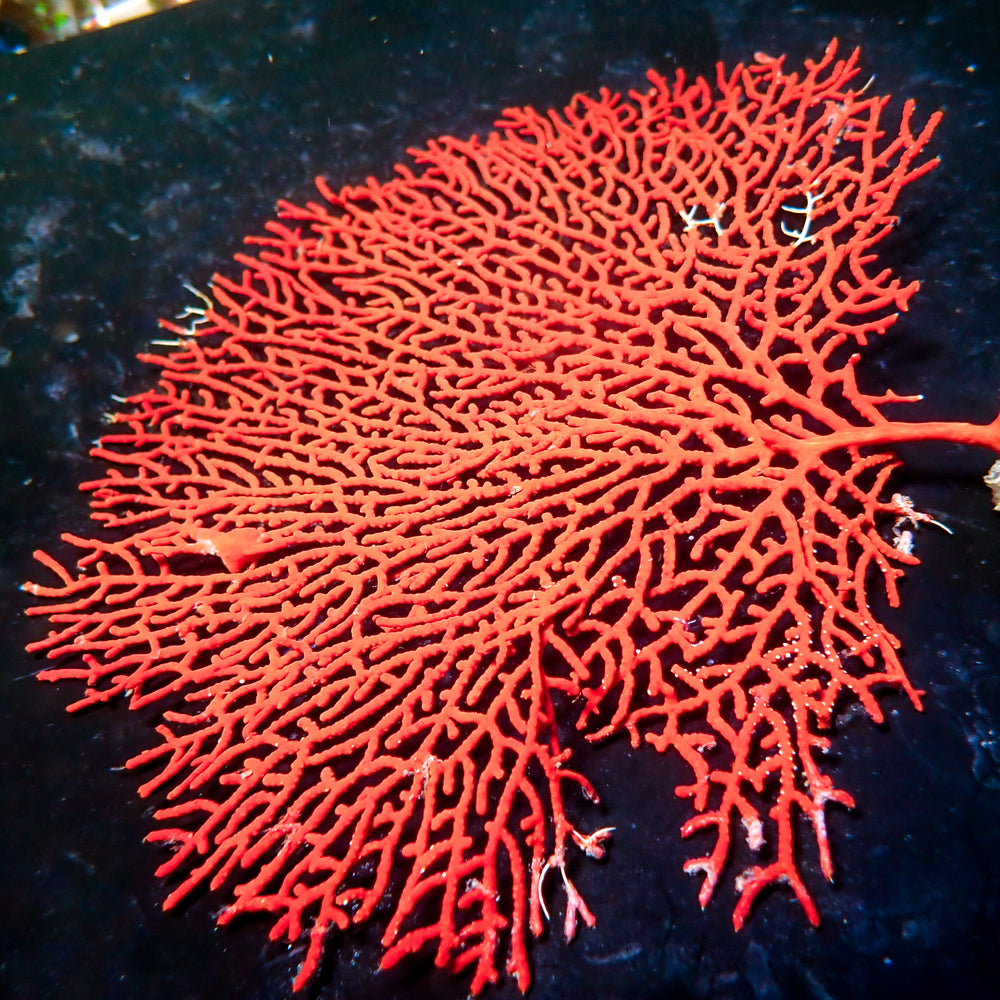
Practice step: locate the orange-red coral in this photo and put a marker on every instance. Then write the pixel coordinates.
(568, 418)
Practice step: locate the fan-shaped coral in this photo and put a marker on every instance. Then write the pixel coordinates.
(568, 418)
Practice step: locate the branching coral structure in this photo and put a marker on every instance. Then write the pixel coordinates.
(562, 425)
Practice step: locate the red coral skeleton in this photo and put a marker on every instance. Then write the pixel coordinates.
(568, 418)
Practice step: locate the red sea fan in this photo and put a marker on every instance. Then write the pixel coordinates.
(569, 418)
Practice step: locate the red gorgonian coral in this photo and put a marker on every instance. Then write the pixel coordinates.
(568, 418)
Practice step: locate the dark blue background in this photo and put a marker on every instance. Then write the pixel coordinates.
(135, 159)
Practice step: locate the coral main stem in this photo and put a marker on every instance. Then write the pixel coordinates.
(899, 432)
